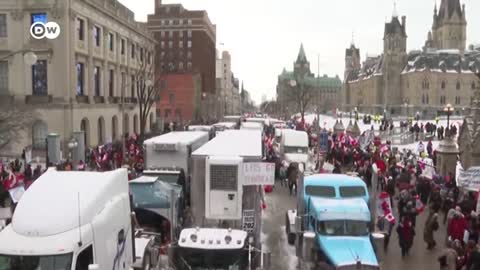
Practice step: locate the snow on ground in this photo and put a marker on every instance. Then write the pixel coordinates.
(329, 121)
(289, 249)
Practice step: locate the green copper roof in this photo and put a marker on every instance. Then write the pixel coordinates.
(301, 55)
(324, 82)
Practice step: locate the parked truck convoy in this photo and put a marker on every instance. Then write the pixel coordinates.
(71, 221)
(332, 223)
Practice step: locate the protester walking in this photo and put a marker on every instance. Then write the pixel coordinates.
(406, 234)
(292, 175)
(431, 225)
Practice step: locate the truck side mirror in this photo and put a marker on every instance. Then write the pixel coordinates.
(93, 267)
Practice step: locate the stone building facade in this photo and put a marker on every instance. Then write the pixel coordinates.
(228, 93)
(324, 90)
(80, 78)
(424, 81)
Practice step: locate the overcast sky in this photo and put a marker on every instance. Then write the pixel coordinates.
(264, 36)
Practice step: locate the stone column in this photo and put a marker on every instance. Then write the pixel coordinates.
(447, 156)
(53, 141)
(79, 151)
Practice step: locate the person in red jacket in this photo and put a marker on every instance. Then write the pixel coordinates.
(457, 227)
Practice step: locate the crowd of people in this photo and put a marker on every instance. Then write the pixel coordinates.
(413, 187)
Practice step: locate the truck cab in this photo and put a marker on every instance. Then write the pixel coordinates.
(71, 220)
(211, 248)
(294, 146)
(342, 236)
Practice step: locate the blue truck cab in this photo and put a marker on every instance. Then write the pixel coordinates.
(336, 209)
(342, 236)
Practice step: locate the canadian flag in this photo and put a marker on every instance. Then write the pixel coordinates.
(13, 181)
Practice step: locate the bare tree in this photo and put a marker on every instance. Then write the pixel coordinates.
(300, 95)
(148, 86)
(13, 120)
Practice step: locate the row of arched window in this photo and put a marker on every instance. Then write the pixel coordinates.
(443, 85)
(40, 130)
(443, 100)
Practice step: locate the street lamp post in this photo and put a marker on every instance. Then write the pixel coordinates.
(449, 110)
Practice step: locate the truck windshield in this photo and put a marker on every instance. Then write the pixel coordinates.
(343, 228)
(353, 192)
(296, 150)
(54, 262)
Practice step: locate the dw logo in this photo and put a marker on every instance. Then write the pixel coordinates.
(40, 30)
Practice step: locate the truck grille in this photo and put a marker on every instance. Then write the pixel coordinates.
(224, 177)
(358, 267)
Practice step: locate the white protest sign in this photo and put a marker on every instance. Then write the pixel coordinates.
(258, 173)
(469, 179)
(16, 193)
(248, 220)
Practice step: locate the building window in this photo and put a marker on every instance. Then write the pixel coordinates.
(162, 55)
(180, 65)
(122, 46)
(444, 84)
(132, 86)
(180, 54)
(458, 86)
(141, 54)
(81, 29)
(171, 22)
(189, 44)
(189, 34)
(457, 100)
(110, 41)
(39, 135)
(425, 84)
(171, 98)
(132, 50)
(180, 44)
(170, 44)
(442, 100)
(167, 113)
(3, 25)
(189, 65)
(39, 78)
(189, 22)
(111, 79)
(162, 44)
(96, 81)
(180, 34)
(170, 34)
(3, 77)
(96, 35)
(80, 79)
(162, 34)
(39, 17)
(189, 54)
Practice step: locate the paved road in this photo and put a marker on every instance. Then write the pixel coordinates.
(284, 258)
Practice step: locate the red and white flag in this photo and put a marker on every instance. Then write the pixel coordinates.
(13, 180)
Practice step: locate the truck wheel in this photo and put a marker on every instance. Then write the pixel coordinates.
(146, 262)
(291, 238)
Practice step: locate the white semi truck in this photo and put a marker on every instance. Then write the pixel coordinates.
(73, 220)
(221, 200)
